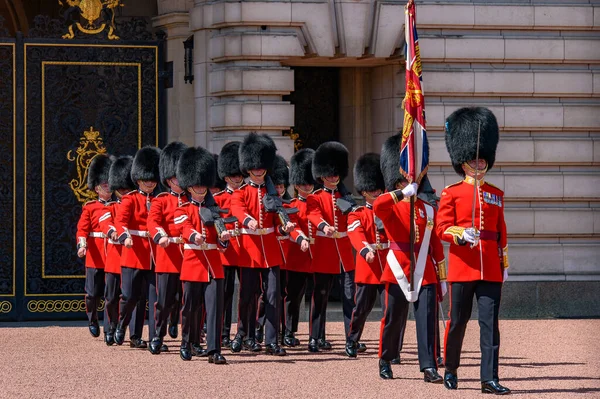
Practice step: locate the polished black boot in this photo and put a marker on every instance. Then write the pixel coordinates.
(94, 329)
(275, 350)
(431, 375)
(217, 358)
(236, 344)
(109, 338)
(351, 348)
(225, 342)
(494, 387)
(289, 339)
(185, 353)
(173, 332)
(252, 346)
(313, 345)
(396, 360)
(164, 348)
(385, 370)
(259, 334)
(137, 343)
(450, 379)
(324, 345)
(440, 361)
(155, 345)
(198, 350)
(119, 335)
(361, 348)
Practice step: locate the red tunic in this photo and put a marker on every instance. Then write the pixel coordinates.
(263, 249)
(161, 224)
(113, 248)
(396, 220)
(89, 232)
(131, 221)
(363, 235)
(329, 252)
(234, 255)
(199, 265)
(487, 259)
(295, 259)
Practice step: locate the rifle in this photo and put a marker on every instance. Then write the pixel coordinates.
(210, 214)
(274, 203)
(346, 203)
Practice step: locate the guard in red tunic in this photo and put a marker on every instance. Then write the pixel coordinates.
(297, 249)
(119, 181)
(368, 239)
(165, 234)
(332, 251)
(201, 271)
(228, 168)
(138, 250)
(91, 239)
(393, 208)
(471, 219)
(248, 204)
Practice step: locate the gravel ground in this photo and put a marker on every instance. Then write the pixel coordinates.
(539, 359)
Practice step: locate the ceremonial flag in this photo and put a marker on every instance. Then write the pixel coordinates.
(414, 149)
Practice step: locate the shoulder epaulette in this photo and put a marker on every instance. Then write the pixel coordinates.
(316, 191)
(90, 202)
(184, 204)
(453, 184)
(219, 193)
(161, 194)
(110, 203)
(131, 192)
(242, 186)
(496, 187)
(359, 209)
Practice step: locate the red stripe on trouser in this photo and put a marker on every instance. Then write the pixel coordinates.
(353, 310)
(385, 312)
(448, 322)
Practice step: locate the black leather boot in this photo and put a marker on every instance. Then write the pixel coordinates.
(494, 387)
(385, 370)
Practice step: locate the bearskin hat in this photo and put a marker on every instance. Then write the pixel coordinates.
(461, 136)
(145, 165)
(257, 151)
(229, 160)
(367, 173)
(98, 171)
(169, 157)
(196, 167)
(219, 182)
(390, 161)
(331, 159)
(301, 167)
(119, 177)
(281, 172)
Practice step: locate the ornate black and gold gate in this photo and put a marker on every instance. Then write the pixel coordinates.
(68, 91)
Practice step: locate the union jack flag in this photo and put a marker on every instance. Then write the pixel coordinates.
(414, 148)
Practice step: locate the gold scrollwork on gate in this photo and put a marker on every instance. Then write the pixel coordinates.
(57, 305)
(90, 145)
(5, 307)
(298, 144)
(91, 11)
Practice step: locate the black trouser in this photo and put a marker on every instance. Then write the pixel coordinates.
(167, 285)
(261, 314)
(272, 303)
(228, 291)
(194, 294)
(318, 309)
(176, 308)
(134, 292)
(394, 322)
(294, 293)
(488, 303)
(249, 290)
(365, 297)
(346, 280)
(94, 290)
(112, 290)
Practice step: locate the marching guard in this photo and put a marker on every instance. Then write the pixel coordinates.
(332, 252)
(471, 219)
(202, 270)
(393, 208)
(165, 235)
(91, 239)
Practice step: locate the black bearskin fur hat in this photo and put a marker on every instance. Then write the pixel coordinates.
(196, 167)
(331, 159)
(367, 173)
(119, 177)
(390, 161)
(219, 182)
(281, 172)
(257, 151)
(98, 170)
(461, 136)
(145, 165)
(301, 167)
(169, 157)
(229, 160)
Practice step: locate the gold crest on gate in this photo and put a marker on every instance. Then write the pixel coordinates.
(91, 11)
(90, 145)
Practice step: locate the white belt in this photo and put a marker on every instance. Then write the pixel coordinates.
(336, 234)
(97, 234)
(284, 238)
(139, 233)
(201, 247)
(258, 232)
(379, 247)
(110, 241)
(176, 240)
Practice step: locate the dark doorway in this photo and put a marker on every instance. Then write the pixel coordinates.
(316, 101)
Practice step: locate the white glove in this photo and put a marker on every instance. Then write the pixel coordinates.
(444, 288)
(505, 274)
(471, 235)
(410, 190)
